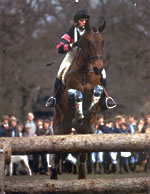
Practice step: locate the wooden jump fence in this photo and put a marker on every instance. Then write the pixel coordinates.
(73, 143)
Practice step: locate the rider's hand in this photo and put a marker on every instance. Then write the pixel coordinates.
(71, 45)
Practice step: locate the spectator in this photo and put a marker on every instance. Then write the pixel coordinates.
(113, 155)
(39, 127)
(102, 128)
(51, 127)
(142, 156)
(30, 121)
(13, 126)
(5, 127)
(140, 125)
(47, 127)
(42, 128)
(132, 127)
(124, 156)
(147, 124)
(20, 130)
(118, 121)
(31, 159)
(27, 130)
(97, 157)
(2, 130)
(147, 130)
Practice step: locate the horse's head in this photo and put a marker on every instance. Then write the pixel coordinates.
(91, 46)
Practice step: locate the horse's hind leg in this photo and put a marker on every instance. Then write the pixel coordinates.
(82, 169)
(54, 168)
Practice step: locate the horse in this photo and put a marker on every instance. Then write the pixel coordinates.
(82, 91)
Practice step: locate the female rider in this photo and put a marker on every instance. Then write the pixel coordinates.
(68, 44)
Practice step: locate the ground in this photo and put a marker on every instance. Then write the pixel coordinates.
(89, 176)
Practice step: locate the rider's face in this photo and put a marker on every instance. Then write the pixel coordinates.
(82, 22)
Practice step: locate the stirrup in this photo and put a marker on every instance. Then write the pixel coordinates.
(106, 101)
(48, 102)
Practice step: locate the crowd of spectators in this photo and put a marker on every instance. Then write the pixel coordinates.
(10, 126)
(101, 162)
(112, 162)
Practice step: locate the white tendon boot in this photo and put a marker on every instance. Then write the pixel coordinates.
(95, 100)
(79, 110)
(98, 90)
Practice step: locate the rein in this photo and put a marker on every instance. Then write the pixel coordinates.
(89, 58)
(92, 57)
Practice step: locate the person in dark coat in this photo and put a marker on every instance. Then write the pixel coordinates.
(5, 126)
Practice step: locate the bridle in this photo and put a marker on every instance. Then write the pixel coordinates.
(90, 58)
(95, 57)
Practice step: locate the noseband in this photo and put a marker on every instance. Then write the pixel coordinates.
(92, 57)
(95, 57)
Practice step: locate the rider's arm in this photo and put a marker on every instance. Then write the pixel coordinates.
(66, 42)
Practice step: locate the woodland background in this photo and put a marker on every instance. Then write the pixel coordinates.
(30, 30)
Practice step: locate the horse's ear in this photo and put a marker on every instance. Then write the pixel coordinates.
(87, 26)
(102, 27)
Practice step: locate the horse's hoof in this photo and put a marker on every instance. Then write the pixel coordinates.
(53, 177)
(53, 173)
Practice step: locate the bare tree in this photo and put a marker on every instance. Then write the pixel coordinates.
(30, 30)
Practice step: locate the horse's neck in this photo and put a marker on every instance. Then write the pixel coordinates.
(80, 62)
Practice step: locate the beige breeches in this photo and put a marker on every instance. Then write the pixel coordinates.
(66, 63)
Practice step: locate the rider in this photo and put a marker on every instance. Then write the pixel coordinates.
(68, 44)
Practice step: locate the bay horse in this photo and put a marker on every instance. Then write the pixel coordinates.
(81, 94)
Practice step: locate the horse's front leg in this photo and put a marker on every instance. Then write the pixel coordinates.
(97, 93)
(77, 98)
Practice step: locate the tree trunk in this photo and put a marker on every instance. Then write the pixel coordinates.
(98, 185)
(79, 143)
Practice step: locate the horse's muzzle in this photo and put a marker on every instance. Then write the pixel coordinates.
(97, 70)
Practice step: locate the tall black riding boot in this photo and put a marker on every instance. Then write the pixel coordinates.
(51, 102)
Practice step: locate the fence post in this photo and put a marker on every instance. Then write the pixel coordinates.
(2, 166)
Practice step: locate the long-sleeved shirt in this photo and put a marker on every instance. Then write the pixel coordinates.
(64, 44)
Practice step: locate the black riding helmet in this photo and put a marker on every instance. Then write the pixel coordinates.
(81, 14)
